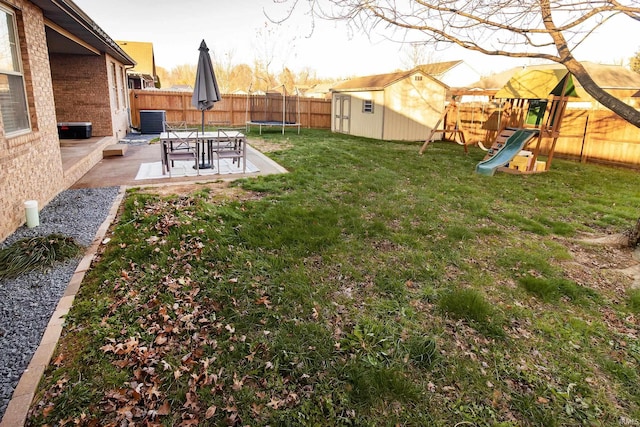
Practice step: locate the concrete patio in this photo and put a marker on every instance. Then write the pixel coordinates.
(122, 170)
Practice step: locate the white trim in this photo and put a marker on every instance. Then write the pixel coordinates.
(20, 73)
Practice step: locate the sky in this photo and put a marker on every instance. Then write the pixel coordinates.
(237, 31)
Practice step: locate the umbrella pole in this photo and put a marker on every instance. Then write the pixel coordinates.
(203, 165)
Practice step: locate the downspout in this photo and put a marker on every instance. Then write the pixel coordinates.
(128, 67)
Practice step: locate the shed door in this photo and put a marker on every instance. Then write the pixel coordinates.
(342, 111)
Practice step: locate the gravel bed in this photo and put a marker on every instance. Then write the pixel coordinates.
(27, 302)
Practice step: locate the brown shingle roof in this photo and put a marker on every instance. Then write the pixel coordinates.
(375, 82)
(438, 68)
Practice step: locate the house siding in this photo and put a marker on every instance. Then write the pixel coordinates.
(364, 124)
(404, 110)
(30, 163)
(412, 108)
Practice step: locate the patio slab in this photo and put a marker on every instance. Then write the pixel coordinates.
(122, 170)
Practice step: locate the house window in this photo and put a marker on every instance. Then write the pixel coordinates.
(417, 78)
(13, 99)
(367, 106)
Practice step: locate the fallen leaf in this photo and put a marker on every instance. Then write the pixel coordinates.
(59, 360)
(164, 409)
(211, 411)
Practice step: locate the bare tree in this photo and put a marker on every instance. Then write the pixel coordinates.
(543, 29)
(184, 74)
(241, 77)
(415, 54)
(635, 62)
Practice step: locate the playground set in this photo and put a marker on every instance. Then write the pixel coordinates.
(536, 100)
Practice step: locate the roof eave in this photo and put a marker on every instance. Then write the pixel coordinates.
(69, 16)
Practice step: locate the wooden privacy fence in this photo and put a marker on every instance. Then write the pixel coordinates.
(232, 109)
(597, 135)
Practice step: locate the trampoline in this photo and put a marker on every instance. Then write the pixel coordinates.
(273, 109)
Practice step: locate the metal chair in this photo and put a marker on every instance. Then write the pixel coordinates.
(181, 145)
(231, 144)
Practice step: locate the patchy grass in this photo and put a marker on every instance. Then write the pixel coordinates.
(368, 286)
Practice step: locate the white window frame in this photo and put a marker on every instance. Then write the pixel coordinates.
(15, 70)
(367, 106)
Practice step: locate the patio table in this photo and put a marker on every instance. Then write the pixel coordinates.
(206, 142)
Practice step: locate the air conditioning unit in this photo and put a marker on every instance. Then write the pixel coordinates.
(152, 121)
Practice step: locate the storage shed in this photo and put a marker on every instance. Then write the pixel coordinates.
(402, 106)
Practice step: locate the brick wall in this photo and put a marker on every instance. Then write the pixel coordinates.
(30, 166)
(81, 91)
(60, 88)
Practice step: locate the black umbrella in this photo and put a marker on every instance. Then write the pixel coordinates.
(205, 89)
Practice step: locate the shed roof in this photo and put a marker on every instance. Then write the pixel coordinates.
(377, 81)
(438, 68)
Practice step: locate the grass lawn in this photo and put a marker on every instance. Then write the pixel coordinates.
(368, 286)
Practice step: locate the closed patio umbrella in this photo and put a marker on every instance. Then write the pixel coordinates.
(205, 89)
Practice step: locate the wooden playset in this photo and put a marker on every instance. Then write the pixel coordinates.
(448, 133)
(538, 99)
(535, 101)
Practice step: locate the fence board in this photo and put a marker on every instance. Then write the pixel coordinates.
(232, 109)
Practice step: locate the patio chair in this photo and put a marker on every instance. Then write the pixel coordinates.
(181, 144)
(231, 144)
(176, 126)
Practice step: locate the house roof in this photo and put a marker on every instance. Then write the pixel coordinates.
(142, 53)
(377, 81)
(70, 30)
(532, 82)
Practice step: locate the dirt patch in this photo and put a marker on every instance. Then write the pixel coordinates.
(269, 147)
(217, 190)
(604, 262)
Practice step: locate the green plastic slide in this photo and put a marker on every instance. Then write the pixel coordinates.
(512, 147)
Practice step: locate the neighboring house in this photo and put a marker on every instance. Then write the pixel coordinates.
(143, 75)
(61, 67)
(401, 106)
(455, 74)
(320, 90)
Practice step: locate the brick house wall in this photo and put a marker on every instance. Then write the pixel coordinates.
(81, 91)
(59, 88)
(90, 89)
(30, 166)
